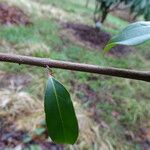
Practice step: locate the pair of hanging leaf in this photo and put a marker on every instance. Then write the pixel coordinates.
(60, 115)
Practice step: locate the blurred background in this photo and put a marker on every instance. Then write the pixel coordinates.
(113, 113)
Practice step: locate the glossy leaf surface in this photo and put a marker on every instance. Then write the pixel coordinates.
(134, 34)
(60, 115)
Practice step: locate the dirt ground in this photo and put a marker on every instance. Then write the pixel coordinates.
(12, 15)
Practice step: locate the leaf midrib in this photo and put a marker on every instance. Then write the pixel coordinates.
(58, 107)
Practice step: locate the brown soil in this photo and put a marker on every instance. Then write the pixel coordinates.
(94, 38)
(12, 15)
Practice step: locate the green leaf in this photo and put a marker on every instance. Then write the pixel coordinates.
(134, 34)
(60, 115)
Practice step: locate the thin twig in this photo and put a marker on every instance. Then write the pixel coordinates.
(44, 62)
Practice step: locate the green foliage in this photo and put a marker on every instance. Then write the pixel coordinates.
(134, 34)
(140, 7)
(41, 31)
(60, 116)
(134, 111)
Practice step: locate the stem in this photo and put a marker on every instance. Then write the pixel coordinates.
(44, 62)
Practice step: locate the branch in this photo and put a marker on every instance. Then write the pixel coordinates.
(43, 62)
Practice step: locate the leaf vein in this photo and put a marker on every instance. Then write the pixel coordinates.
(58, 107)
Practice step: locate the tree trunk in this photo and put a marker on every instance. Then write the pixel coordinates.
(87, 3)
(104, 15)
